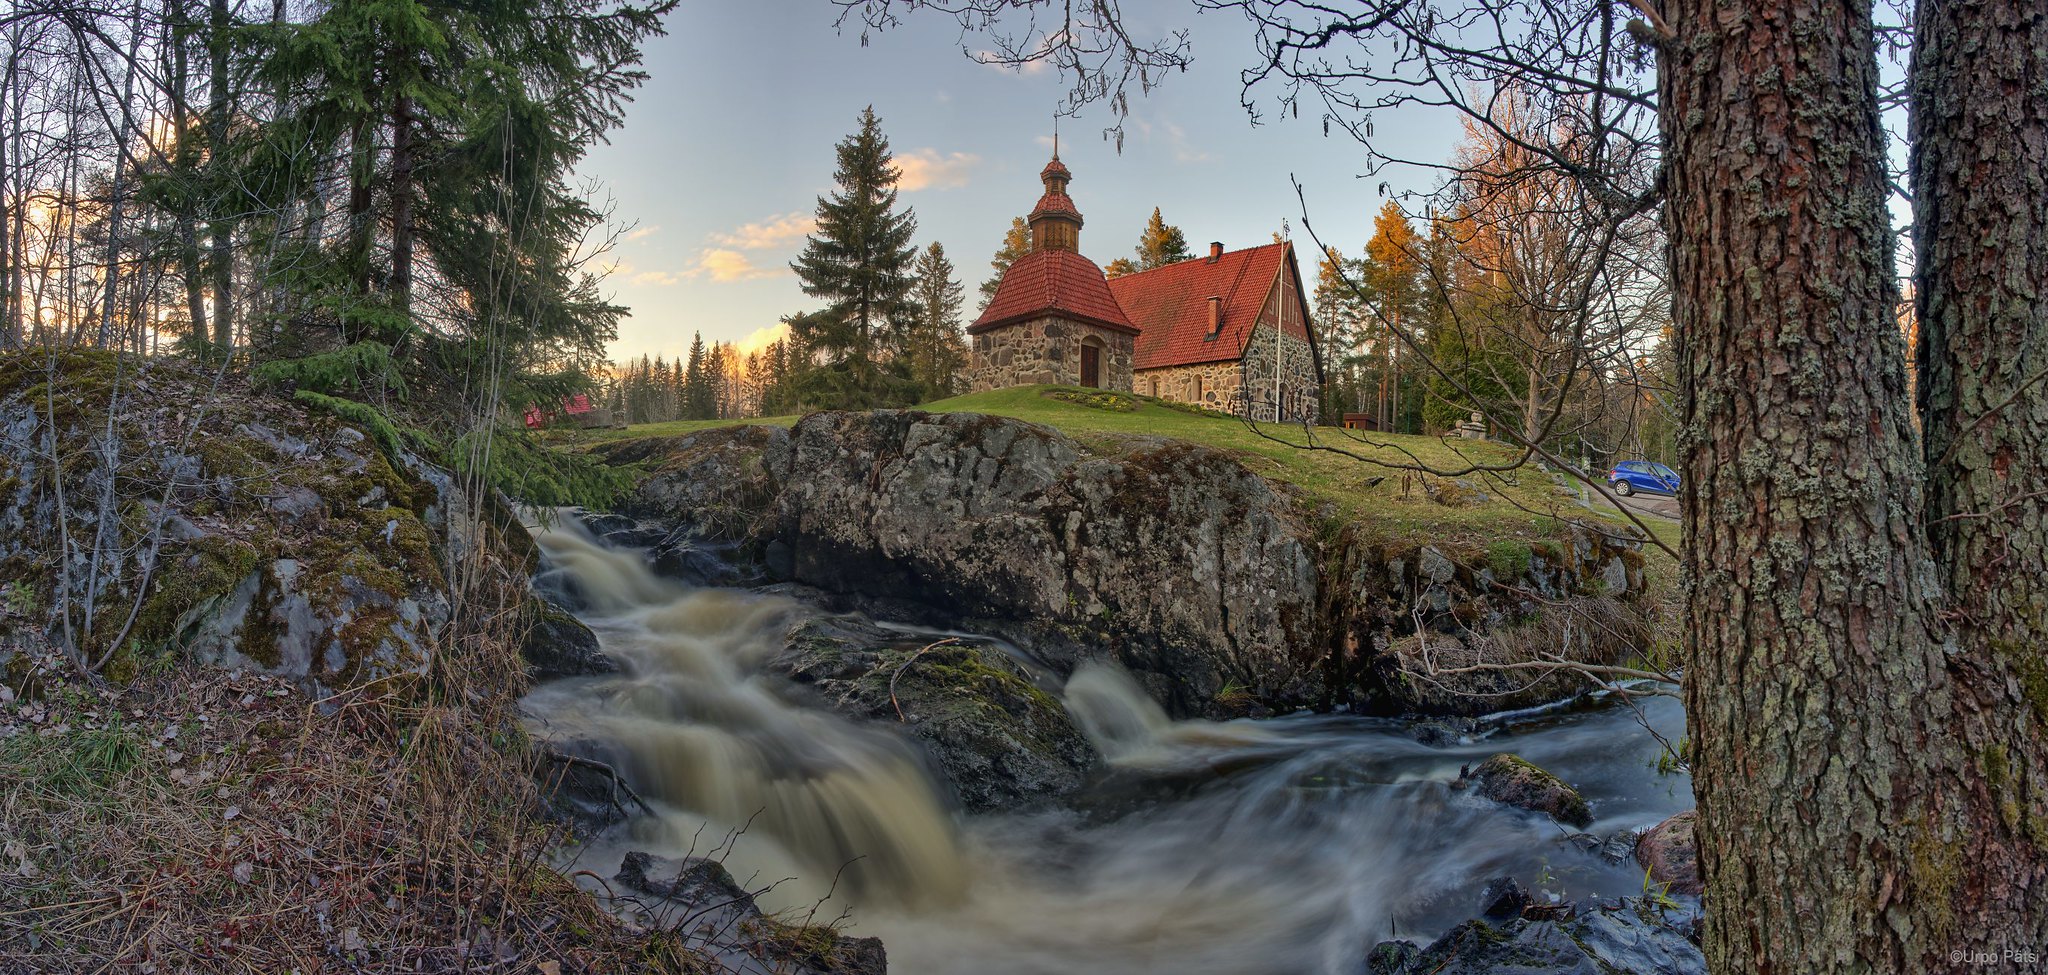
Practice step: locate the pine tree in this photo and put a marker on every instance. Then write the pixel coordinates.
(1119, 267)
(859, 261)
(937, 348)
(1161, 244)
(1016, 244)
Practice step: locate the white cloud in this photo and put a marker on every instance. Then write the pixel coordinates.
(725, 266)
(1182, 151)
(657, 279)
(773, 232)
(926, 168)
(643, 233)
(761, 338)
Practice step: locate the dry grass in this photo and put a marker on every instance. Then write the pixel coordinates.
(198, 820)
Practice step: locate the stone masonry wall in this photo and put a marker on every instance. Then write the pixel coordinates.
(1227, 386)
(1297, 387)
(1215, 385)
(1046, 350)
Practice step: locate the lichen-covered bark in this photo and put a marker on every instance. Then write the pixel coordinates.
(1816, 684)
(1980, 186)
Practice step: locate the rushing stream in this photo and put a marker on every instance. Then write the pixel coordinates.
(1285, 845)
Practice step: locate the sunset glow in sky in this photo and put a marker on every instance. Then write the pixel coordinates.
(725, 151)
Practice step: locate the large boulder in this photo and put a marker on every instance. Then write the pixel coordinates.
(996, 738)
(237, 527)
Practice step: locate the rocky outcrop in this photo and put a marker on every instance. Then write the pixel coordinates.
(1629, 938)
(1512, 781)
(997, 739)
(1409, 619)
(1193, 572)
(1210, 583)
(1671, 855)
(700, 900)
(235, 527)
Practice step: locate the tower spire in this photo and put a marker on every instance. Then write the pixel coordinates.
(1055, 222)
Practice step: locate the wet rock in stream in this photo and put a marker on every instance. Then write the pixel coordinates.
(1630, 937)
(1671, 856)
(1513, 781)
(557, 644)
(997, 739)
(700, 899)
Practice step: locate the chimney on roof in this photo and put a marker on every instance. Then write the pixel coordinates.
(1215, 312)
(1215, 251)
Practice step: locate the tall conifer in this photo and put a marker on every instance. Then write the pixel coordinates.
(859, 261)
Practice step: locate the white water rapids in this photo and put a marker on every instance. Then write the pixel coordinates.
(1288, 845)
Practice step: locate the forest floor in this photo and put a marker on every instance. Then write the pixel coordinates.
(181, 817)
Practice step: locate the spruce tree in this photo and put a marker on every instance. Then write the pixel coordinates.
(1016, 243)
(859, 261)
(716, 363)
(937, 350)
(699, 400)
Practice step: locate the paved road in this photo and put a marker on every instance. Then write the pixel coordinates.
(1652, 505)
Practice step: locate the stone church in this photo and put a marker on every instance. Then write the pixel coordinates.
(1229, 331)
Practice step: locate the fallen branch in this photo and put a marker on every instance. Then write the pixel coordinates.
(906, 666)
(618, 782)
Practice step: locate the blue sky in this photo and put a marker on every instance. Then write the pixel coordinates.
(726, 149)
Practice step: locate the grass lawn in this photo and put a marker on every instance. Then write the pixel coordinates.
(673, 428)
(1376, 489)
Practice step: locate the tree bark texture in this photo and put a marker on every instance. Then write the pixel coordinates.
(1815, 678)
(217, 118)
(1980, 186)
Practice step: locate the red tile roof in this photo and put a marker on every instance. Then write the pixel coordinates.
(1053, 282)
(1054, 168)
(1170, 305)
(1056, 203)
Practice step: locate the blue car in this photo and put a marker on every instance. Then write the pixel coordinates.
(1631, 476)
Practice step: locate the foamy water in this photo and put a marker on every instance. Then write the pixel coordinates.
(1288, 845)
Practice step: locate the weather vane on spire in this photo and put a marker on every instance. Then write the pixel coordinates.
(1055, 133)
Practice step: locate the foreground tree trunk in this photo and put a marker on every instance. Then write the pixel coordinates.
(1810, 657)
(1980, 184)
(1866, 763)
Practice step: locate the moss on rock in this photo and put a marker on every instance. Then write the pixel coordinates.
(998, 738)
(247, 528)
(1512, 780)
